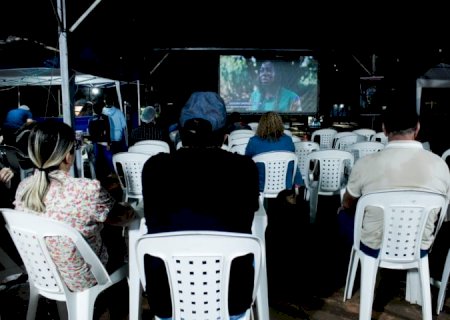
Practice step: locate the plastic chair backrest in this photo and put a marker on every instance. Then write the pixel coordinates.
(276, 166)
(324, 137)
(29, 232)
(253, 125)
(238, 148)
(302, 149)
(366, 132)
(334, 169)
(380, 137)
(405, 215)
(128, 167)
(362, 149)
(198, 265)
(237, 134)
(147, 148)
(344, 142)
(161, 143)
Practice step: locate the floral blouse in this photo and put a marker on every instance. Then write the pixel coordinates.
(84, 205)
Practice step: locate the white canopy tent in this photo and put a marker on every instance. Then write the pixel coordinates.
(46, 77)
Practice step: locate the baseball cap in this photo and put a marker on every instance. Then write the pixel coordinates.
(205, 105)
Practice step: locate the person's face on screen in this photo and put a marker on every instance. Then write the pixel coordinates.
(267, 73)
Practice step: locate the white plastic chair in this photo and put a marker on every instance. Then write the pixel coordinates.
(148, 148)
(380, 137)
(328, 174)
(238, 148)
(442, 284)
(445, 154)
(237, 134)
(161, 143)
(198, 265)
(253, 125)
(361, 149)
(302, 149)
(344, 142)
(324, 137)
(276, 164)
(405, 214)
(128, 167)
(138, 228)
(29, 231)
(366, 132)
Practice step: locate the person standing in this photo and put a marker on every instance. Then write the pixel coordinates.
(190, 189)
(14, 120)
(118, 126)
(100, 135)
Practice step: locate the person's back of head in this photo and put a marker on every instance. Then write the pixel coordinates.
(109, 101)
(148, 114)
(400, 116)
(48, 145)
(98, 107)
(270, 126)
(203, 120)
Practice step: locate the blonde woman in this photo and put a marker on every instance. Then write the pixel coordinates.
(82, 203)
(270, 136)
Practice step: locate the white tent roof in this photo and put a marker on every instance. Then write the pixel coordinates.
(47, 77)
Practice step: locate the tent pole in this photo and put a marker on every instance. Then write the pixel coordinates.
(68, 112)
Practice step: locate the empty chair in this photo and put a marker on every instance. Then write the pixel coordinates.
(29, 233)
(302, 149)
(150, 149)
(361, 149)
(154, 142)
(327, 176)
(238, 148)
(198, 265)
(405, 214)
(253, 125)
(366, 132)
(340, 135)
(240, 133)
(344, 142)
(128, 167)
(324, 137)
(380, 137)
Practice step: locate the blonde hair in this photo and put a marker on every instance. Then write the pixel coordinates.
(48, 145)
(270, 126)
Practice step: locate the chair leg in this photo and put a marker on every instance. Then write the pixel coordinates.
(424, 273)
(443, 284)
(369, 268)
(32, 303)
(351, 274)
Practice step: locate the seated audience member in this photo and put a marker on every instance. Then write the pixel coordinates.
(149, 128)
(15, 119)
(190, 189)
(270, 136)
(403, 163)
(82, 203)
